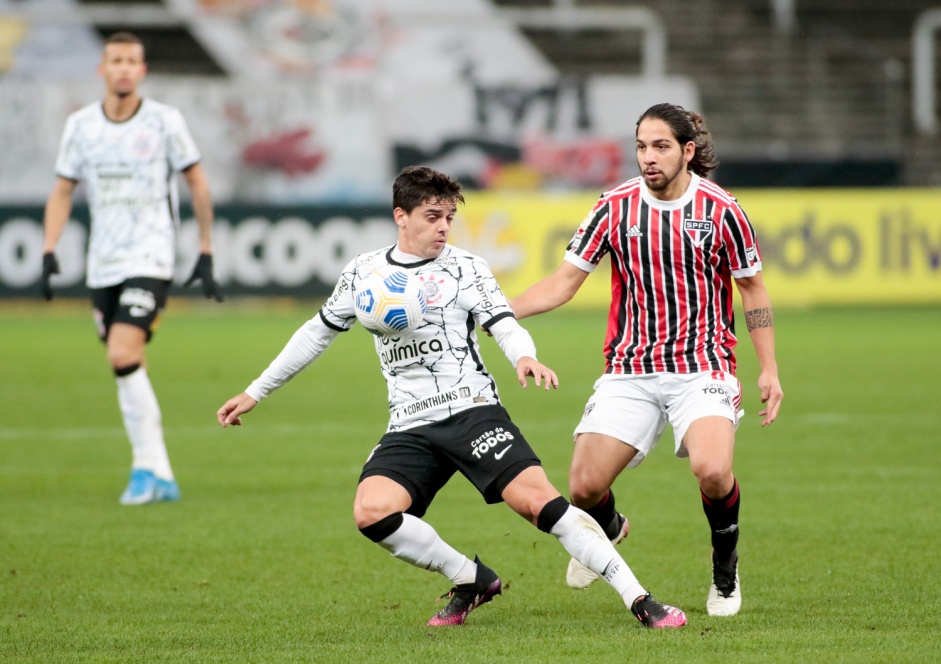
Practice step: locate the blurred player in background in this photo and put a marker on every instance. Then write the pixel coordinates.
(676, 242)
(126, 149)
(445, 413)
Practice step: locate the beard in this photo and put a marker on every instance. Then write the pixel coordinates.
(662, 183)
(664, 178)
(658, 185)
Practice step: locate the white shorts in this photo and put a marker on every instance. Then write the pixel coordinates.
(636, 409)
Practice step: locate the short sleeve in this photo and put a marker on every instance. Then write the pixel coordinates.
(181, 148)
(590, 242)
(482, 296)
(741, 243)
(69, 161)
(338, 312)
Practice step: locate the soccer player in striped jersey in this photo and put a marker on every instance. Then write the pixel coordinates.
(127, 149)
(445, 415)
(676, 243)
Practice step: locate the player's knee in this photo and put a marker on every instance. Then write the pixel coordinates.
(585, 488)
(529, 492)
(369, 509)
(714, 478)
(532, 505)
(121, 357)
(365, 515)
(377, 497)
(383, 528)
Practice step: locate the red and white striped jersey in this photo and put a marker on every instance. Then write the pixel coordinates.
(672, 264)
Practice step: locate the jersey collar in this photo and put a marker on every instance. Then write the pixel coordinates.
(397, 257)
(140, 105)
(677, 204)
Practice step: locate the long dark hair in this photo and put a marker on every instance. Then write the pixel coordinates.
(687, 126)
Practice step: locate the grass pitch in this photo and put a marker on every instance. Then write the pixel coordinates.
(261, 561)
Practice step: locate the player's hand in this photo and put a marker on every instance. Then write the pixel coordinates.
(542, 375)
(203, 272)
(771, 396)
(231, 409)
(50, 266)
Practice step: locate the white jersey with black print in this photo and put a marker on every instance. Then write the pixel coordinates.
(128, 169)
(434, 370)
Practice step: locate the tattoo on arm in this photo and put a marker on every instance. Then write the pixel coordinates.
(756, 318)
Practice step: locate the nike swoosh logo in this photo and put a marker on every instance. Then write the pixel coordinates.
(499, 455)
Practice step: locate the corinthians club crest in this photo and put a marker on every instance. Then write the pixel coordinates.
(432, 286)
(698, 230)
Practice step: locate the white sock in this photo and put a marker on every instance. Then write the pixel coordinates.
(143, 423)
(417, 543)
(584, 539)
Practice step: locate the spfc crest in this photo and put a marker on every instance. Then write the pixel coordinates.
(698, 230)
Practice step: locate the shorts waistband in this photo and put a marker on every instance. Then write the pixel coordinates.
(457, 395)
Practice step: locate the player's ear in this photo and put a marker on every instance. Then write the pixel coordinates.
(400, 216)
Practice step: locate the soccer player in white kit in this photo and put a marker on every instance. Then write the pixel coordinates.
(445, 413)
(676, 242)
(127, 149)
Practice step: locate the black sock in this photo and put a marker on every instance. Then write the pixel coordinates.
(722, 514)
(606, 516)
(383, 527)
(550, 514)
(126, 371)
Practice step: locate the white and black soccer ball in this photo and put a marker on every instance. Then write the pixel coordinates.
(390, 301)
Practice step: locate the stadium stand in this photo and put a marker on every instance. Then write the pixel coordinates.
(828, 104)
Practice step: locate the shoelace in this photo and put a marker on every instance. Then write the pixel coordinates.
(447, 595)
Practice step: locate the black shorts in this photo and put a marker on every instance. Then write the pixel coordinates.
(138, 302)
(481, 442)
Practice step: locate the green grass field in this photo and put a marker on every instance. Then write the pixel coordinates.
(261, 561)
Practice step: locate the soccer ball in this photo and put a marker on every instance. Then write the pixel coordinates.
(389, 301)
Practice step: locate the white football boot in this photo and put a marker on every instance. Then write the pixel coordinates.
(725, 593)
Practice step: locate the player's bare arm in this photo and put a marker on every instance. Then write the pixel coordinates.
(759, 317)
(542, 375)
(549, 293)
(202, 208)
(58, 209)
(233, 408)
(756, 318)
(56, 216)
(202, 205)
